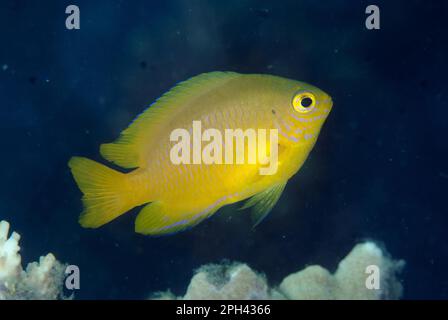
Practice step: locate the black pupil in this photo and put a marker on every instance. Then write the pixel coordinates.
(306, 102)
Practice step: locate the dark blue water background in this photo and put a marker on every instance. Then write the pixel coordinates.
(379, 169)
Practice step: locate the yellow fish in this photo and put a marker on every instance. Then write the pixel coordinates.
(180, 195)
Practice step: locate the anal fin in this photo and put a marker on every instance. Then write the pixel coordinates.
(263, 202)
(158, 218)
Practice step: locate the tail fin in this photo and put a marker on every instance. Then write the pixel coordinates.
(106, 192)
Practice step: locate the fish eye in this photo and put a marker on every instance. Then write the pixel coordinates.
(304, 102)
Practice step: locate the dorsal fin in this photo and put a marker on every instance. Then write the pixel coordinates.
(128, 150)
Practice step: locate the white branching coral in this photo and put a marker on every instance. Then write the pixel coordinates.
(352, 280)
(227, 282)
(10, 260)
(40, 280)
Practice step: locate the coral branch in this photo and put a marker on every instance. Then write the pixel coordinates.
(41, 280)
(350, 281)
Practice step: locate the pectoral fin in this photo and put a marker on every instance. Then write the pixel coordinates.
(263, 202)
